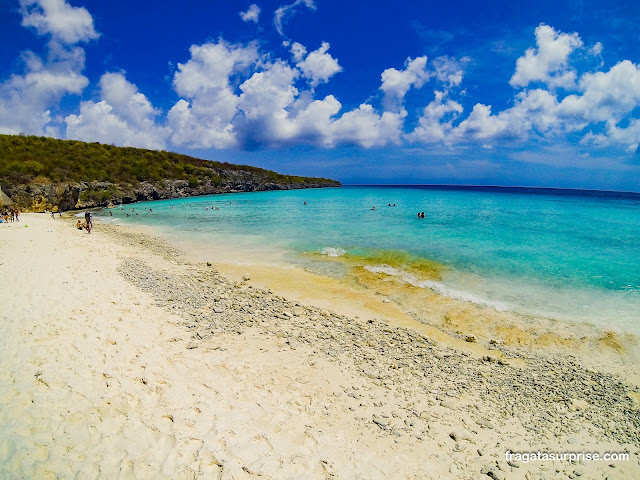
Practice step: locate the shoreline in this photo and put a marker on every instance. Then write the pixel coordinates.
(373, 295)
(170, 369)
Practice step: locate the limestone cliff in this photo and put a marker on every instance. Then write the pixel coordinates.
(70, 196)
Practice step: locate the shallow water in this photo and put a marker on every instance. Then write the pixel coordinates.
(561, 254)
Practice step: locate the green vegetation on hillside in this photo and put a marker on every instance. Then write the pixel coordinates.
(31, 159)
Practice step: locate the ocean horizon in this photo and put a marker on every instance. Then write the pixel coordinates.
(563, 254)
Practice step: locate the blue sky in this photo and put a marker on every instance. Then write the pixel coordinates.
(366, 92)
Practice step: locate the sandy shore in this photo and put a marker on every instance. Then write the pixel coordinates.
(120, 359)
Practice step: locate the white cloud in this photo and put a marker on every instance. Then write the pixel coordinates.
(596, 50)
(192, 127)
(266, 108)
(598, 98)
(204, 120)
(396, 83)
(364, 126)
(124, 116)
(628, 137)
(605, 95)
(26, 101)
(285, 11)
(436, 122)
(448, 70)
(265, 97)
(252, 14)
(549, 62)
(211, 65)
(65, 23)
(319, 66)
(297, 50)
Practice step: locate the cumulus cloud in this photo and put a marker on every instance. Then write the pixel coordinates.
(436, 122)
(63, 22)
(449, 71)
(252, 14)
(27, 100)
(286, 11)
(599, 104)
(396, 83)
(319, 66)
(596, 50)
(236, 96)
(124, 116)
(548, 63)
(605, 95)
(205, 80)
(628, 137)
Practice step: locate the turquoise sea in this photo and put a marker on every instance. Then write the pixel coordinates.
(561, 254)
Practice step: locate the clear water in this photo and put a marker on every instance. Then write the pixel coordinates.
(559, 254)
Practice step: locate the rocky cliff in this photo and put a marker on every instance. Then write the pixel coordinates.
(40, 173)
(70, 196)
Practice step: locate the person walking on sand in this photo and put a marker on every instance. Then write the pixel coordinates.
(88, 221)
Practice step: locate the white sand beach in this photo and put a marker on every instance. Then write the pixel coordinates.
(119, 358)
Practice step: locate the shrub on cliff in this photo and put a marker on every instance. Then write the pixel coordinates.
(29, 159)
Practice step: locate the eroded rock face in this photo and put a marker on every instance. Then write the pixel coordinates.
(70, 196)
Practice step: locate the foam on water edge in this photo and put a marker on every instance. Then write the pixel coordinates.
(333, 251)
(438, 287)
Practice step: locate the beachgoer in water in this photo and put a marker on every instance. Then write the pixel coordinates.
(373, 208)
(110, 213)
(150, 211)
(422, 215)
